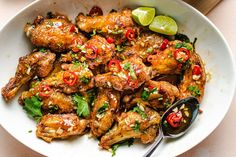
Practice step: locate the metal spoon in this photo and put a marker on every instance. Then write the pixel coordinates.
(189, 102)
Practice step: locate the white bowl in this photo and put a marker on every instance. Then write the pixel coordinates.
(211, 45)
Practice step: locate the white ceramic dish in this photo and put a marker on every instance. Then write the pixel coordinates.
(211, 45)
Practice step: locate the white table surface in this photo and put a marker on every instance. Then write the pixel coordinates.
(220, 143)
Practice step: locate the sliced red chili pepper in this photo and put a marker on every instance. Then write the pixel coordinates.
(45, 91)
(72, 28)
(132, 83)
(93, 54)
(95, 11)
(130, 34)
(182, 55)
(110, 40)
(174, 119)
(197, 70)
(70, 78)
(75, 43)
(114, 65)
(164, 44)
(150, 87)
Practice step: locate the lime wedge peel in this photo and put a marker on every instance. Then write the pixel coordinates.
(143, 15)
(164, 25)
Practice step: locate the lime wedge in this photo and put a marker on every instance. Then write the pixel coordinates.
(164, 25)
(143, 15)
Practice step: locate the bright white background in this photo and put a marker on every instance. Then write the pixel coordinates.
(220, 143)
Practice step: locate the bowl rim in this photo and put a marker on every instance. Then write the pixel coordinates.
(196, 141)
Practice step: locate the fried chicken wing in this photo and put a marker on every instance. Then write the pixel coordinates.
(60, 126)
(194, 79)
(57, 33)
(34, 64)
(132, 73)
(96, 51)
(132, 124)
(104, 110)
(166, 61)
(144, 46)
(78, 74)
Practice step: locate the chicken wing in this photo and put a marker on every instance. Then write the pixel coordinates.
(103, 114)
(167, 61)
(34, 64)
(56, 33)
(143, 47)
(194, 79)
(97, 51)
(141, 123)
(77, 73)
(132, 73)
(60, 126)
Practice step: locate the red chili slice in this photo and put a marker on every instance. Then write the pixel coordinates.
(132, 83)
(182, 55)
(70, 78)
(75, 42)
(72, 28)
(94, 53)
(110, 40)
(164, 44)
(114, 65)
(95, 11)
(174, 119)
(197, 70)
(130, 34)
(45, 91)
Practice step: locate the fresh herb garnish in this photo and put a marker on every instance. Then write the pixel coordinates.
(194, 90)
(127, 66)
(182, 37)
(85, 79)
(146, 93)
(42, 50)
(82, 105)
(136, 126)
(149, 50)
(139, 111)
(117, 32)
(30, 131)
(94, 33)
(119, 48)
(128, 142)
(103, 108)
(33, 107)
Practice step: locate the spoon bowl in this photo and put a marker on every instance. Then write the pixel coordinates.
(176, 121)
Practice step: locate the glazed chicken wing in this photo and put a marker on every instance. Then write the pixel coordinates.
(35, 64)
(60, 126)
(96, 51)
(129, 75)
(194, 79)
(144, 46)
(57, 33)
(141, 123)
(104, 110)
(73, 78)
(172, 59)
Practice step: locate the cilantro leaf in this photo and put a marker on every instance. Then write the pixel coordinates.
(33, 107)
(139, 111)
(128, 142)
(82, 105)
(85, 79)
(136, 126)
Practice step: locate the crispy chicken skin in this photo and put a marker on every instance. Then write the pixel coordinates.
(163, 62)
(193, 85)
(162, 95)
(60, 126)
(124, 80)
(132, 125)
(97, 43)
(104, 111)
(35, 64)
(144, 46)
(57, 33)
(106, 24)
(56, 80)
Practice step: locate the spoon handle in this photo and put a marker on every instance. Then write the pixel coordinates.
(153, 147)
